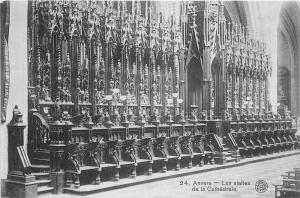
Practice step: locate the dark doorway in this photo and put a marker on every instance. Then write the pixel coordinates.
(217, 86)
(194, 84)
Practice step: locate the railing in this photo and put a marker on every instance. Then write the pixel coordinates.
(230, 141)
(213, 139)
(39, 132)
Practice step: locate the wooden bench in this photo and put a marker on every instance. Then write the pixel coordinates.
(284, 192)
(290, 187)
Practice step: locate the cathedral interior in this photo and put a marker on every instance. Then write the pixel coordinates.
(98, 91)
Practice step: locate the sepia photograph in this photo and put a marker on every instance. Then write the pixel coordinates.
(149, 99)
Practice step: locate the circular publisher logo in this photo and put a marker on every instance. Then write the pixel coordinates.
(261, 186)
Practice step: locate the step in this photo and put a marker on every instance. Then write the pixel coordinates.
(43, 182)
(45, 154)
(227, 154)
(126, 182)
(40, 168)
(230, 159)
(40, 161)
(45, 189)
(41, 175)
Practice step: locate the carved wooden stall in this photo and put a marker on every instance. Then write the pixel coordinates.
(113, 91)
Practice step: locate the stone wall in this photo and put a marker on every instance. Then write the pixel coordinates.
(18, 77)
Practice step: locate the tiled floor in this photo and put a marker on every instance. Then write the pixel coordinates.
(269, 171)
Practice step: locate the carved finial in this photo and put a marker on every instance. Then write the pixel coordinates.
(17, 116)
(15, 111)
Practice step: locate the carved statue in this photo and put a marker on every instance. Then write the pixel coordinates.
(144, 98)
(124, 116)
(57, 109)
(45, 94)
(15, 116)
(117, 117)
(204, 115)
(194, 113)
(107, 119)
(156, 116)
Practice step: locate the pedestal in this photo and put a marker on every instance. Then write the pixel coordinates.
(60, 136)
(220, 158)
(57, 173)
(20, 183)
(21, 186)
(57, 181)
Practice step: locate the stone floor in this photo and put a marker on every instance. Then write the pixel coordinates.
(240, 179)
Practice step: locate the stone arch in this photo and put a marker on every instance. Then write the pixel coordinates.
(193, 88)
(238, 11)
(216, 71)
(289, 40)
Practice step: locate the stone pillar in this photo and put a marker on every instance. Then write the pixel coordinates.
(20, 183)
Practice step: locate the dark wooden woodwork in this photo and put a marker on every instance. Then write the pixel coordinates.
(20, 182)
(115, 97)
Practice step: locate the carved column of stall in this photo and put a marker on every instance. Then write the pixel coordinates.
(177, 92)
(169, 102)
(111, 70)
(229, 87)
(265, 72)
(211, 13)
(243, 79)
(247, 78)
(235, 89)
(156, 74)
(59, 131)
(238, 77)
(45, 49)
(232, 72)
(100, 104)
(260, 82)
(59, 92)
(20, 182)
(125, 71)
(269, 72)
(250, 82)
(59, 135)
(167, 91)
(143, 71)
(33, 80)
(83, 99)
(222, 34)
(255, 83)
(181, 81)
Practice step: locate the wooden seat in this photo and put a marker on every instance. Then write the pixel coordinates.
(107, 165)
(158, 153)
(285, 192)
(198, 149)
(185, 149)
(80, 159)
(173, 151)
(116, 154)
(290, 185)
(142, 153)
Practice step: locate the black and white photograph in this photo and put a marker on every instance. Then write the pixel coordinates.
(149, 99)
